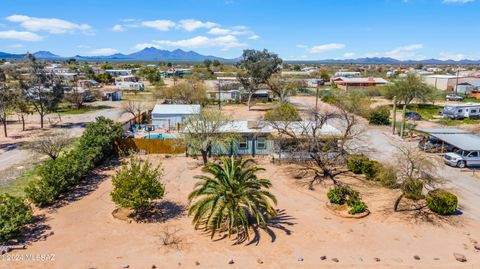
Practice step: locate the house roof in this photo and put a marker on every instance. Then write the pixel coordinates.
(474, 84)
(175, 109)
(361, 80)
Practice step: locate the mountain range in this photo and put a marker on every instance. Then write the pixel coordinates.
(178, 55)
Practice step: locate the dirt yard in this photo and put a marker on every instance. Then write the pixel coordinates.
(84, 234)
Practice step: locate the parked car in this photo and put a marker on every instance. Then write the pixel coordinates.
(453, 97)
(462, 159)
(88, 99)
(412, 115)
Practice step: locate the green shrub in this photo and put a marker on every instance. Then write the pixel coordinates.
(356, 206)
(57, 176)
(379, 116)
(329, 98)
(136, 184)
(370, 169)
(15, 214)
(412, 189)
(355, 163)
(340, 195)
(387, 176)
(284, 112)
(442, 202)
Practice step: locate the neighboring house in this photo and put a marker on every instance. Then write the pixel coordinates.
(130, 86)
(358, 83)
(448, 82)
(470, 88)
(129, 78)
(256, 137)
(112, 95)
(224, 95)
(346, 74)
(119, 72)
(87, 83)
(68, 76)
(168, 116)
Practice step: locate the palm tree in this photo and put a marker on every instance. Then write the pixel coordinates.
(232, 198)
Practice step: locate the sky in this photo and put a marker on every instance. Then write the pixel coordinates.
(295, 29)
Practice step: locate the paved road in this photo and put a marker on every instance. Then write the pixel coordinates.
(382, 148)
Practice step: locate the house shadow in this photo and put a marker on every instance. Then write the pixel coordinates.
(161, 212)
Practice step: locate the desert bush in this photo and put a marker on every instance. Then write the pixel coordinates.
(371, 168)
(387, 176)
(283, 112)
(442, 202)
(340, 195)
(15, 214)
(379, 116)
(356, 206)
(412, 188)
(355, 163)
(136, 184)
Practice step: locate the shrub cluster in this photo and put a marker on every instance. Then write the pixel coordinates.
(373, 170)
(344, 195)
(56, 176)
(379, 116)
(442, 202)
(283, 112)
(15, 214)
(136, 184)
(412, 188)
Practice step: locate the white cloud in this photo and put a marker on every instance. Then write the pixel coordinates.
(457, 1)
(161, 25)
(225, 42)
(191, 25)
(16, 46)
(452, 56)
(301, 46)
(118, 28)
(254, 37)
(20, 35)
(348, 55)
(326, 47)
(141, 46)
(102, 51)
(219, 31)
(51, 25)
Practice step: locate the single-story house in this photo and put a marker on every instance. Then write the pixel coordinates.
(115, 95)
(347, 74)
(130, 86)
(448, 82)
(119, 72)
(355, 83)
(224, 95)
(168, 116)
(87, 83)
(470, 88)
(256, 137)
(130, 78)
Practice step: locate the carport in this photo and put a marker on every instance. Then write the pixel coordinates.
(461, 139)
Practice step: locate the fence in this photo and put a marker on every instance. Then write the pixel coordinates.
(151, 146)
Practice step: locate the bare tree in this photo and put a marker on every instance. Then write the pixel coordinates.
(283, 88)
(316, 146)
(7, 98)
(51, 144)
(76, 95)
(135, 108)
(416, 171)
(169, 238)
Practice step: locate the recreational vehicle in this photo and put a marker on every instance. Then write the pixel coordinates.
(461, 111)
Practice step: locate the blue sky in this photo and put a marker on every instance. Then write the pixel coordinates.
(295, 29)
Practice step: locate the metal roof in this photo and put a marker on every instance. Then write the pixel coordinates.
(176, 109)
(456, 137)
(468, 142)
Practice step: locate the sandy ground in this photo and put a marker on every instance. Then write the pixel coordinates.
(85, 234)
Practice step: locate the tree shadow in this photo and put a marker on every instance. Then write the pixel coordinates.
(280, 222)
(36, 231)
(160, 212)
(87, 185)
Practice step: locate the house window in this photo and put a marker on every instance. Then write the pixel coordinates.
(243, 143)
(261, 142)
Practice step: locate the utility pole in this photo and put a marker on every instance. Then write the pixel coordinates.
(394, 119)
(402, 127)
(456, 83)
(316, 96)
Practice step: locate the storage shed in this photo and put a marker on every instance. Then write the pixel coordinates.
(168, 116)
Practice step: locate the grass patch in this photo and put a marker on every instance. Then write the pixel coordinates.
(66, 109)
(427, 111)
(17, 186)
(450, 122)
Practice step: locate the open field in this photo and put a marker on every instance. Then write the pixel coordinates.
(84, 234)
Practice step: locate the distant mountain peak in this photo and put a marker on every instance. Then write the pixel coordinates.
(45, 54)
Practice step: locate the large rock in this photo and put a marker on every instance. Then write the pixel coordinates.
(477, 246)
(460, 257)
